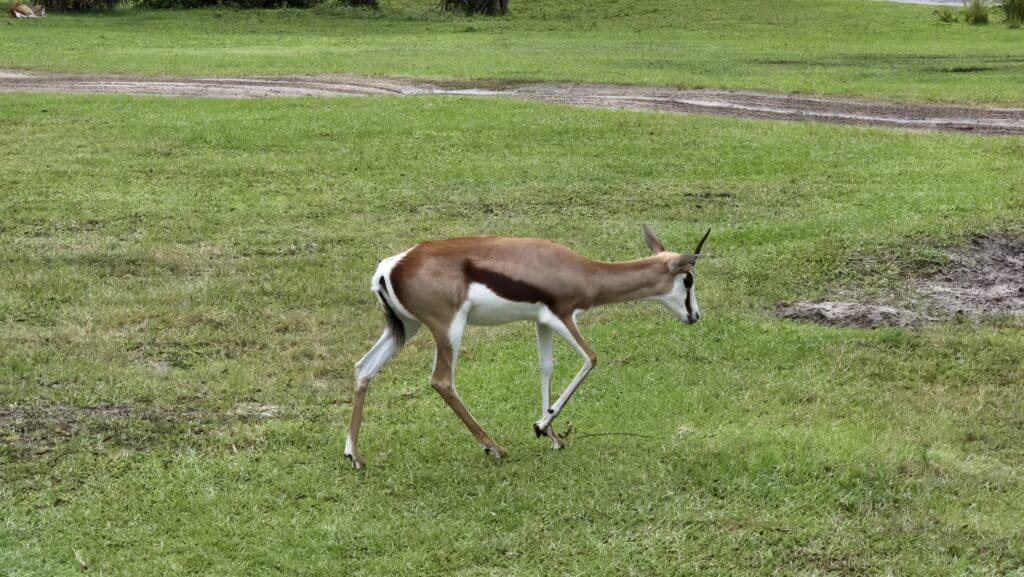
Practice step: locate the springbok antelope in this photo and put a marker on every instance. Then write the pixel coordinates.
(26, 11)
(448, 284)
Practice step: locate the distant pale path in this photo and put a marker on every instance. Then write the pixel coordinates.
(954, 3)
(717, 102)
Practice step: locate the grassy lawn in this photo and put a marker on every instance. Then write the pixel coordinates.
(167, 262)
(850, 47)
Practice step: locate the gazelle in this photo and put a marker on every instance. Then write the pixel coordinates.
(448, 284)
(26, 11)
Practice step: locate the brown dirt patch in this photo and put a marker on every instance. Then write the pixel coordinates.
(256, 410)
(741, 104)
(845, 314)
(983, 278)
(37, 430)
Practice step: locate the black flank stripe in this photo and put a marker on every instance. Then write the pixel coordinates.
(507, 287)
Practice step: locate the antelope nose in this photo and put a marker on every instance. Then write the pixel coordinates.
(694, 317)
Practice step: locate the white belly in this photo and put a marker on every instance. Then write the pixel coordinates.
(487, 308)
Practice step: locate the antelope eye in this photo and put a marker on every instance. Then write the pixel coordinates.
(688, 280)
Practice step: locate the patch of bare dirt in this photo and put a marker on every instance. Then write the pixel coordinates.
(985, 277)
(716, 102)
(38, 429)
(256, 410)
(785, 107)
(35, 430)
(256, 87)
(930, 2)
(845, 314)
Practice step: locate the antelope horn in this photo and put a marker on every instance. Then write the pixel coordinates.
(701, 243)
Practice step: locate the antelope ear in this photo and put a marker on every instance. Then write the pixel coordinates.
(683, 263)
(652, 241)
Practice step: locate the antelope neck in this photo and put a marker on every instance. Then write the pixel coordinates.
(617, 282)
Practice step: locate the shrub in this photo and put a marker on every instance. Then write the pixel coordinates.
(946, 15)
(976, 11)
(229, 3)
(1013, 10)
(326, 5)
(77, 5)
(488, 7)
(350, 9)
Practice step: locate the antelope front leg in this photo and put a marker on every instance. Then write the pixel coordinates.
(547, 365)
(566, 329)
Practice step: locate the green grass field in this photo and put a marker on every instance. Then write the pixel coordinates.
(176, 259)
(848, 47)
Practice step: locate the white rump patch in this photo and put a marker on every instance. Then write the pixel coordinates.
(384, 271)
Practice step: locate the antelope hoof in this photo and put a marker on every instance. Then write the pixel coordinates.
(497, 452)
(357, 462)
(556, 443)
(537, 430)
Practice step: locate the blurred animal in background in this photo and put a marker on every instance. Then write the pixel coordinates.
(26, 11)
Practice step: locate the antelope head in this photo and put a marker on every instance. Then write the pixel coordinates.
(680, 298)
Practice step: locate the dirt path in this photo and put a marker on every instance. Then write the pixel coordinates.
(717, 102)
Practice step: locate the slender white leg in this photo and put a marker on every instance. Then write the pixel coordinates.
(567, 330)
(370, 364)
(455, 331)
(366, 369)
(547, 365)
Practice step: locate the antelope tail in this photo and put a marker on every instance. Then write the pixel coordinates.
(395, 325)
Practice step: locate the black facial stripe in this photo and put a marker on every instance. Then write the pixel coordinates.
(688, 283)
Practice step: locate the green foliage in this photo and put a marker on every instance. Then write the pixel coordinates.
(80, 5)
(469, 7)
(349, 9)
(946, 14)
(976, 11)
(1013, 11)
(176, 4)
